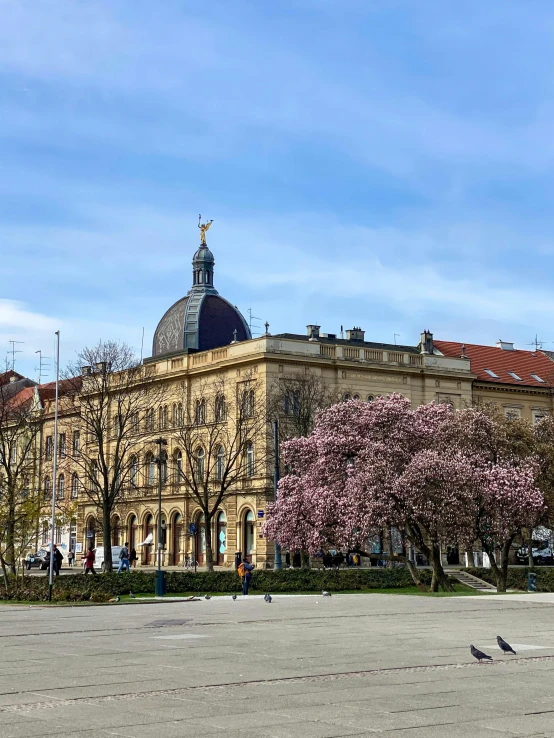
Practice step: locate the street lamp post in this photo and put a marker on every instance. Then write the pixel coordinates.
(160, 460)
(278, 560)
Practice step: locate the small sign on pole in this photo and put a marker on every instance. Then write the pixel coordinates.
(193, 529)
(260, 513)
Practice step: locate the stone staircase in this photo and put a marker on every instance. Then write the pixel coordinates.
(470, 581)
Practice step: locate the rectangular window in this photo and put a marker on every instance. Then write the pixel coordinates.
(76, 442)
(492, 374)
(538, 415)
(49, 447)
(514, 376)
(61, 446)
(537, 378)
(512, 413)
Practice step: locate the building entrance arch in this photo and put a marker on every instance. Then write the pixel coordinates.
(221, 537)
(178, 539)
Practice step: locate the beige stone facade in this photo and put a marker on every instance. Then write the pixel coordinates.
(349, 368)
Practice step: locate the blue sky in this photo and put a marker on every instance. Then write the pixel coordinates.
(383, 163)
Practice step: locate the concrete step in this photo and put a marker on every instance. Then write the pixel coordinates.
(471, 581)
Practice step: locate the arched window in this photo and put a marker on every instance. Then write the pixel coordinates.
(200, 464)
(220, 463)
(200, 414)
(370, 398)
(248, 403)
(346, 397)
(250, 459)
(356, 397)
(163, 469)
(220, 409)
(179, 414)
(178, 460)
(174, 415)
(249, 533)
(161, 418)
(61, 487)
(75, 486)
(47, 488)
(221, 537)
(116, 531)
(45, 531)
(149, 419)
(133, 471)
(150, 470)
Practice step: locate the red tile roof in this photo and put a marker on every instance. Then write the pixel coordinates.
(500, 361)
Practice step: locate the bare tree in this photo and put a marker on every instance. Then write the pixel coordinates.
(295, 400)
(19, 460)
(224, 441)
(118, 397)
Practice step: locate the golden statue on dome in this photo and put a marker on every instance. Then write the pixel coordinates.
(203, 228)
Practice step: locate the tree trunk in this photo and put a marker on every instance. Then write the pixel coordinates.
(439, 578)
(501, 572)
(304, 560)
(530, 562)
(415, 576)
(5, 574)
(209, 552)
(10, 542)
(388, 544)
(107, 535)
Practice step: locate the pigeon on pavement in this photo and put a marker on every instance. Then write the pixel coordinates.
(325, 593)
(207, 597)
(234, 597)
(505, 646)
(267, 598)
(479, 655)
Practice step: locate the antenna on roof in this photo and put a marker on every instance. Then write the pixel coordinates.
(142, 344)
(395, 335)
(537, 343)
(14, 351)
(257, 327)
(41, 365)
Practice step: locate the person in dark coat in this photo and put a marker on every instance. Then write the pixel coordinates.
(58, 558)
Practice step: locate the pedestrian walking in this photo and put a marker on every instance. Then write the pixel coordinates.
(245, 572)
(133, 558)
(89, 561)
(124, 559)
(70, 559)
(58, 558)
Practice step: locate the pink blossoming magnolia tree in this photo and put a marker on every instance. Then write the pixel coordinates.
(367, 466)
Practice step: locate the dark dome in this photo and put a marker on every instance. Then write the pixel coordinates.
(202, 319)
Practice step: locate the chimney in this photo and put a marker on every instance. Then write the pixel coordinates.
(505, 345)
(355, 334)
(86, 371)
(313, 332)
(426, 344)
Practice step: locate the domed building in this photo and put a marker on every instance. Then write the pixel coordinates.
(201, 320)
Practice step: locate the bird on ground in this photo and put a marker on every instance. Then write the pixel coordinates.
(234, 597)
(505, 646)
(479, 655)
(131, 595)
(325, 593)
(207, 597)
(114, 599)
(266, 595)
(268, 598)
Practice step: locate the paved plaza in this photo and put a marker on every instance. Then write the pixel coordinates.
(306, 666)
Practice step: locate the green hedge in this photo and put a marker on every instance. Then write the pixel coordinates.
(77, 587)
(517, 578)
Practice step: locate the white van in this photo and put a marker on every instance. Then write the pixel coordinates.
(99, 560)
